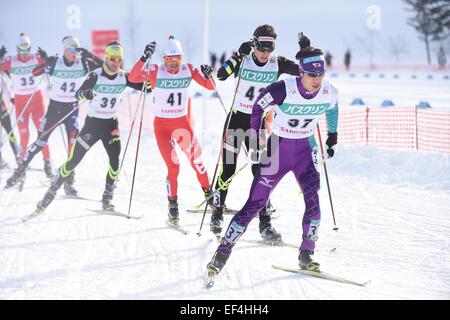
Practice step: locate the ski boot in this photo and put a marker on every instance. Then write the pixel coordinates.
(48, 169)
(173, 211)
(107, 197)
(17, 176)
(267, 231)
(51, 193)
(68, 185)
(306, 262)
(216, 221)
(217, 263)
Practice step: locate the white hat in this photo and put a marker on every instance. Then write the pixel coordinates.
(70, 42)
(23, 43)
(173, 47)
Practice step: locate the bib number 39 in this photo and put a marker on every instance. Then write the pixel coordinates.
(105, 101)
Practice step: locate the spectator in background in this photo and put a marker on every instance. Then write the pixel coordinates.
(347, 59)
(222, 58)
(442, 59)
(328, 58)
(213, 60)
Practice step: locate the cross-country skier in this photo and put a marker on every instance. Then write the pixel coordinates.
(26, 90)
(261, 68)
(170, 82)
(298, 103)
(7, 95)
(66, 75)
(104, 88)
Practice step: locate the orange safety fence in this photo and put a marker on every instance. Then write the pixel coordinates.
(396, 128)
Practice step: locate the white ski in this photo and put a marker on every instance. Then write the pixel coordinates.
(115, 213)
(34, 214)
(177, 227)
(321, 274)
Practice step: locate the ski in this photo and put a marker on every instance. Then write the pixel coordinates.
(177, 227)
(321, 274)
(77, 197)
(115, 213)
(226, 211)
(209, 279)
(273, 243)
(32, 215)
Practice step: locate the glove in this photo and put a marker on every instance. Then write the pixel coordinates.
(331, 142)
(149, 50)
(2, 52)
(86, 95)
(42, 53)
(245, 48)
(84, 53)
(303, 41)
(13, 101)
(206, 70)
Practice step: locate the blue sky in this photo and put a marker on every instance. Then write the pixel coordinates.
(331, 25)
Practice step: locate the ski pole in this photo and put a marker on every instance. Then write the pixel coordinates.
(222, 187)
(225, 129)
(326, 177)
(130, 131)
(138, 142)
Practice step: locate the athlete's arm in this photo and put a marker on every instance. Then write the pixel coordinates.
(200, 79)
(48, 66)
(273, 94)
(288, 67)
(138, 85)
(139, 75)
(85, 90)
(332, 113)
(231, 66)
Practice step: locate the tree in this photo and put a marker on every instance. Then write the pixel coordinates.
(397, 47)
(432, 20)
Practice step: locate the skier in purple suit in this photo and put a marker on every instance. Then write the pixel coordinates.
(298, 103)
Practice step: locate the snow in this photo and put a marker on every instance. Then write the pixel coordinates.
(392, 209)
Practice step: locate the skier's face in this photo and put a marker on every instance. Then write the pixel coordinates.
(261, 56)
(114, 63)
(312, 82)
(172, 63)
(70, 54)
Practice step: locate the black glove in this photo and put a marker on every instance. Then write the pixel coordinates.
(86, 95)
(303, 41)
(13, 101)
(245, 48)
(85, 54)
(149, 50)
(42, 53)
(331, 142)
(2, 52)
(206, 70)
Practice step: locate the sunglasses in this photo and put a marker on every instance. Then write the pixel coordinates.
(118, 59)
(72, 49)
(23, 52)
(264, 46)
(315, 74)
(173, 58)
